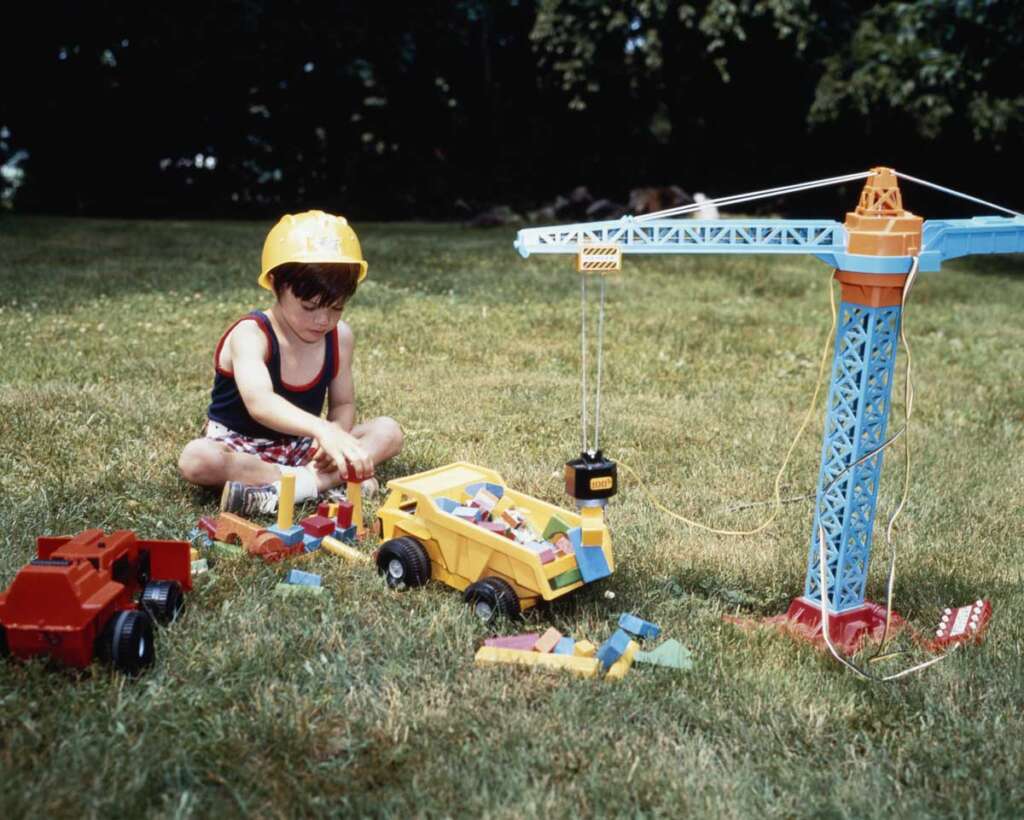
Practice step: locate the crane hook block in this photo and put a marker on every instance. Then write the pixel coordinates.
(591, 477)
(593, 258)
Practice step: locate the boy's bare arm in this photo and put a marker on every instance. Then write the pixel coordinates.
(247, 346)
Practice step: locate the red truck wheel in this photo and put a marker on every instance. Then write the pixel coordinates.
(127, 641)
(163, 600)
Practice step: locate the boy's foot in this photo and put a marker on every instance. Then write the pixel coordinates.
(249, 499)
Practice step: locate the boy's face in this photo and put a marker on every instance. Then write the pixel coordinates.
(306, 319)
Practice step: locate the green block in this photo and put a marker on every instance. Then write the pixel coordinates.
(555, 526)
(670, 653)
(570, 576)
(226, 550)
(283, 590)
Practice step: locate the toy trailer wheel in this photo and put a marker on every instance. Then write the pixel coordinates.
(127, 641)
(4, 651)
(403, 562)
(163, 600)
(491, 598)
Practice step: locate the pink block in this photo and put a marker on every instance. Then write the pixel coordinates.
(525, 642)
(499, 527)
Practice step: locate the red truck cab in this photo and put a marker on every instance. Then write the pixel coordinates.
(94, 594)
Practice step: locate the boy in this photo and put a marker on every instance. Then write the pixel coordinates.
(274, 369)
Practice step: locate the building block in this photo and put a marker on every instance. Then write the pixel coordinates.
(525, 642)
(207, 524)
(485, 500)
(284, 590)
(562, 544)
(291, 536)
(349, 535)
(621, 666)
(318, 526)
(555, 525)
(470, 514)
(233, 528)
(271, 548)
(575, 535)
(585, 649)
(286, 502)
(669, 653)
(494, 489)
(548, 641)
(513, 517)
(592, 534)
(565, 646)
(193, 554)
(544, 551)
(324, 509)
(497, 656)
(223, 550)
(570, 576)
(638, 626)
(336, 546)
(445, 504)
(592, 564)
(612, 649)
(199, 566)
(297, 576)
(344, 515)
(311, 543)
(497, 527)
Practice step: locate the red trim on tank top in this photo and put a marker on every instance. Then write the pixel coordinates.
(310, 385)
(220, 345)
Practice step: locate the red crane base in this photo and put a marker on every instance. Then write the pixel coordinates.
(847, 630)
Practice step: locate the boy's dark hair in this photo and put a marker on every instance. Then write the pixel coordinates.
(326, 284)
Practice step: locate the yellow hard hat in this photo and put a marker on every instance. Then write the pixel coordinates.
(313, 236)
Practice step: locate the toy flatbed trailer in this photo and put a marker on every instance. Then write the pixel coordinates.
(423, 539)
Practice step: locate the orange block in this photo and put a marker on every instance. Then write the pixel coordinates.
(547, 641)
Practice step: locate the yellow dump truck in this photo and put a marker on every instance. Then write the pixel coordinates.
(424, 537)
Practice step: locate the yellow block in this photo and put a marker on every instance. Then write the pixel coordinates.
(343, 550)
(354, 493)
(332, 510)
(286, 503)
(592, 535)
(497, 655)
(584, 649)
(621, 666)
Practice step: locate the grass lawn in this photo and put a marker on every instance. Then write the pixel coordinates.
(369, 703)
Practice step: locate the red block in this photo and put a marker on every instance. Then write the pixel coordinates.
(208, 524)
(344, 515)
(323, 508)
(318, 526)
(498, 527)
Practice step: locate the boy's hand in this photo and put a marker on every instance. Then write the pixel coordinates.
(336, 448)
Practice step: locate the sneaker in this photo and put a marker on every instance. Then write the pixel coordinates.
(248, 499)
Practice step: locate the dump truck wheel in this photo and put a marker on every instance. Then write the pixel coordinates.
(403, 562)
(127, 641)
(163, 600)
(491, 598)
(4, 651)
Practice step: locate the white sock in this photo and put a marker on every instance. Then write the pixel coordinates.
(305, 482)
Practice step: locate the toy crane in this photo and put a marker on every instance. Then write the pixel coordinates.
(875, 252)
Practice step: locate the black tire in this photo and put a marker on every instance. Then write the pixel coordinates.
(403, 562)
(127, 641)
(491, 598)
(4, 650)
(163, 600)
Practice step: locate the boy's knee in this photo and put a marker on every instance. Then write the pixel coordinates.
(391, 430)
(201, 462)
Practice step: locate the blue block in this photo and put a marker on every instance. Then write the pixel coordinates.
(494, 489)
(291, 536)
(612, 649)
(311, 542)
(576, 536)
(638, 626)
(347, 535)
(565, 646)
(446, 504)
(592, 563)
(306, 579)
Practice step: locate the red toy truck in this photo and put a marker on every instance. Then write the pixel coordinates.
(94, 594)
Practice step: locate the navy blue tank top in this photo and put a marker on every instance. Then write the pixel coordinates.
(226, 405)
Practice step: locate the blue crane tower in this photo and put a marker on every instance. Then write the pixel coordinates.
(873, 252)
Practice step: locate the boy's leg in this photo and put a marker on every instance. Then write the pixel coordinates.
(210, 463)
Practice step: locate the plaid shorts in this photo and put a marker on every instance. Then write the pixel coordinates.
(294, 451)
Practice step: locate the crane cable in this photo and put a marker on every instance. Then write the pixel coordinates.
(583, 364)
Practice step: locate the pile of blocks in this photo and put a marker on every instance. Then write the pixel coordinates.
(613, 658)
(297, 582)
(556, 540)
